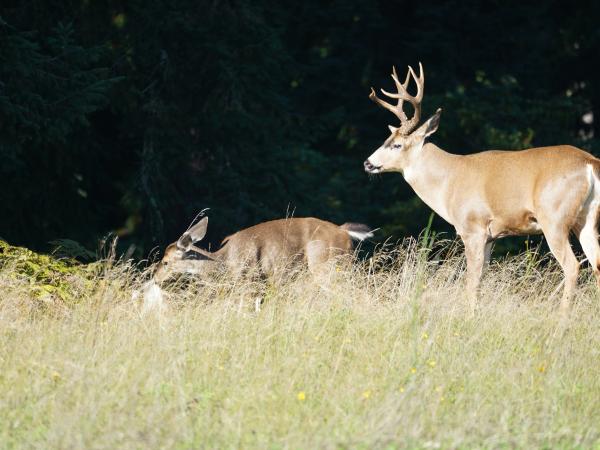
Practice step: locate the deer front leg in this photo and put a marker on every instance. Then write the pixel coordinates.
(477, 252)
(488, 252)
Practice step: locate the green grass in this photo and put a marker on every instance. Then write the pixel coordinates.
(390, 355)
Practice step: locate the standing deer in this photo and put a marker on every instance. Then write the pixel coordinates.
(492, 194)
(266, 249)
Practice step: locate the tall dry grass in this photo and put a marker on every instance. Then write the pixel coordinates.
(387, 354)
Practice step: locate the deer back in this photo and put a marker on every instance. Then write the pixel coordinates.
(279, 244)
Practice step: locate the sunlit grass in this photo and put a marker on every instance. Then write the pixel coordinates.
(387, 354)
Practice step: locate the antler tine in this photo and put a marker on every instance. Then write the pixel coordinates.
(420, 81)
(415, 100)
(395, 109)
(391, 108)
(403, 95)
(400, 87)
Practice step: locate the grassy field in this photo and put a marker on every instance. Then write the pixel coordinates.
(389, 355)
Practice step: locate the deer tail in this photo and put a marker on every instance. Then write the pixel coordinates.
(357, 231)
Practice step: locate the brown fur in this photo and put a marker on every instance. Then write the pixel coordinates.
(551, 190)
(305, 240)
(270, 248)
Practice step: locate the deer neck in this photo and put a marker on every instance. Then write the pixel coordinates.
(428, 172)
(214, 256)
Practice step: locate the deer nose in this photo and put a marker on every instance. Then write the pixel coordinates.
(368, 166)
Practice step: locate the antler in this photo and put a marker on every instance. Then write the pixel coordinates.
(406, 125)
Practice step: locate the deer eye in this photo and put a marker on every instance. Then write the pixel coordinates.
(398, 146)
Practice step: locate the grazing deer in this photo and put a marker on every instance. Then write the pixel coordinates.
(489, 195)
(265, 249)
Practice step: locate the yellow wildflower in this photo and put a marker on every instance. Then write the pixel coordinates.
(431, 363)
(366, 394)
(301, 396)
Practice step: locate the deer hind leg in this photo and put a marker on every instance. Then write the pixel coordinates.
(558, 240)
(317, 254)
(588, 236)
(318, 260)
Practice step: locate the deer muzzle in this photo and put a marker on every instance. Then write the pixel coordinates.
(371, 168)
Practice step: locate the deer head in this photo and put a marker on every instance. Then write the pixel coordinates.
(403, 144)
(183, 256)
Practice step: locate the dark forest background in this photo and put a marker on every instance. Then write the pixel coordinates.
(129, 117)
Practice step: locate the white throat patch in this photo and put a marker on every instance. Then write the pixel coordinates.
(153, 296)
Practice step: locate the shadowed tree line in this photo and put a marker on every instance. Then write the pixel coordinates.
(130, 117)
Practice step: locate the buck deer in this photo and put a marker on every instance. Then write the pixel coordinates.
(266, 249)
(492, 194)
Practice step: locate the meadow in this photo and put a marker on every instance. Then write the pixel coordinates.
(386, 354)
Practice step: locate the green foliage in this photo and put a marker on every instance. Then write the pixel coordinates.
(49, 86)
(48, 279)
(130, 118)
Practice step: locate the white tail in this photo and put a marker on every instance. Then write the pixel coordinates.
(493, 194)
(358, 231)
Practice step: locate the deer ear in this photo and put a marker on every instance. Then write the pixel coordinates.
(193, 235)
(184, 243)
(431, 125)
(198, 231)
